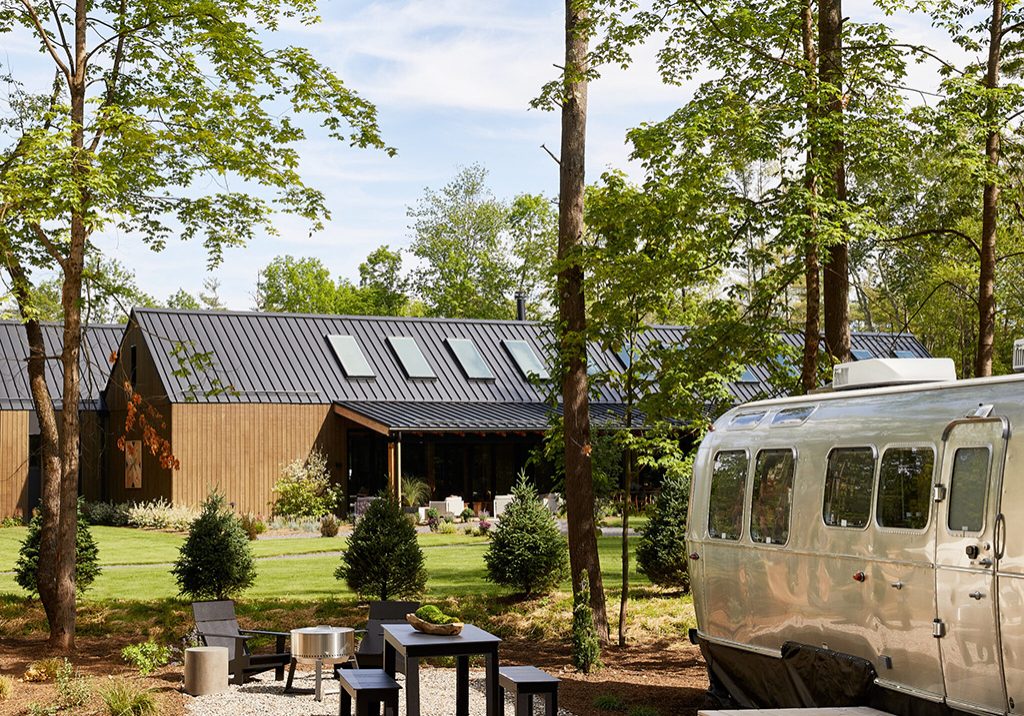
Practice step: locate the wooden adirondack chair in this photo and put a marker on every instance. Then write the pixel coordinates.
(217, 626)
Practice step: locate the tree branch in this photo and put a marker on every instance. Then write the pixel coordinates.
(51, 248)
(46, 39)
(60, 28)
(550, 154)
(935, 232)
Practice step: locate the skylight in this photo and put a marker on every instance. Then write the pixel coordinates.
(473, 364)
(904, 354)
(527, 361)
(862, 354)
(351, 357)
(411, 357)
(748, 376)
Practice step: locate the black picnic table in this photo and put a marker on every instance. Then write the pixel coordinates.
(413, 645)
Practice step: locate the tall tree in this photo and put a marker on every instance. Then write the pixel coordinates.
(147, 98)
(832, 153)
(533, 230)
(812, 262)
(572, 313)
(296, 285)
(384, 287)
(458, 235)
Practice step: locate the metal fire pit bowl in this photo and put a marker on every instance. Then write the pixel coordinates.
(320, 645)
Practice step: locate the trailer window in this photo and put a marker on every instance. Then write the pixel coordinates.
(728, 483)
(904, 484)
(848, 482)
(772, 497)
(967, 490)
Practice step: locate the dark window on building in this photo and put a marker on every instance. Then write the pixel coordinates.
(728, 485)
(849, 480)
(904, 486)
(772, 496)
(967, 489)
(904, 354)
(133, 365)
(351, 357)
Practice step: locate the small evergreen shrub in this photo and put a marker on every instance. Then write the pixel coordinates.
(123, 699)
(661, 554)
(86, 560)
(73, 690)
(216, 560)
(527, 552)
(383, 560)
(329, 526)
(467, 514)
(586, 649)
(305, 489)
(252, 525)
(147, 657)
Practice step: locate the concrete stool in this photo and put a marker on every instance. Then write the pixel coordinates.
(206, 670)
(524, 682)
(369, 688)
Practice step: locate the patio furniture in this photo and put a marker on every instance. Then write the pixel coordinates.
(403, 640)
(369, 688)
(217, 625)
(523, 682)
(206, 670)
(370, 652)
(500, 503)
(320, 645)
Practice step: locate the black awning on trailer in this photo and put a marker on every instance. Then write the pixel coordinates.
(406, 416)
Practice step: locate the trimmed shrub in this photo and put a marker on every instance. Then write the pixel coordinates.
(86, 561)
(147, 657)
(305, 489)
(108, 514)
(216, 560)
(124, 699)
(661, 554)
(329, 526)
(527, 552)
(586, 649)
(383, 560)
(252, 525)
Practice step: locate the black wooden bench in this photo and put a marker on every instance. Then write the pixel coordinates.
(369, 688)
(523, 682)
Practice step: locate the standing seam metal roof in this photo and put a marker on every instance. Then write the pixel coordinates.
(98, 343)
(286, 358)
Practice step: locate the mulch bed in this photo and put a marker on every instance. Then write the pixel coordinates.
(667, 676)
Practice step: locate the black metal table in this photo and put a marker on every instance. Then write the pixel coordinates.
(413, 645)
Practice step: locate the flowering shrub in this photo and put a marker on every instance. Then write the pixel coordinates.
(305, 489)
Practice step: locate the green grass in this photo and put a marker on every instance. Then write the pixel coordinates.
(455, 564)
(636, 522)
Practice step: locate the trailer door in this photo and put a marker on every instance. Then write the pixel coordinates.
(965, 563)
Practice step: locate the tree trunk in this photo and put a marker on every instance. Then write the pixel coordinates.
(624, 599)
(812, 265)
(60, 503)
(579, 485)
(989, 207)
(836, 283)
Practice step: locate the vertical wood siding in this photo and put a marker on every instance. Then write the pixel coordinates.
(241, 449)
(13, 462)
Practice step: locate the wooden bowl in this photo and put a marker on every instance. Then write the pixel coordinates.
(436, 629)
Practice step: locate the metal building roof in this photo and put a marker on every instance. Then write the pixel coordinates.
(98, 343)
(288, 358)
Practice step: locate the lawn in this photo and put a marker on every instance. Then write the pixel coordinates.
(455, 564)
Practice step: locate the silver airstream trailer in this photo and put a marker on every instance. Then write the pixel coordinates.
(865, 546)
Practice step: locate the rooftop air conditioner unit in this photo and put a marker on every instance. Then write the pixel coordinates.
(1018, 355)
(879, 372)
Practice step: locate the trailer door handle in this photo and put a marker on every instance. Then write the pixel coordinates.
(985, 562)
(976, 595)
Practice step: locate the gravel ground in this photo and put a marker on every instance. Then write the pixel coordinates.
(437, 697)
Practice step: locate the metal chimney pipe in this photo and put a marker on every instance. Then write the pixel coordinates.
(520, 306)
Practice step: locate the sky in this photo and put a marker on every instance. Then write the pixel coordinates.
(452, 81)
